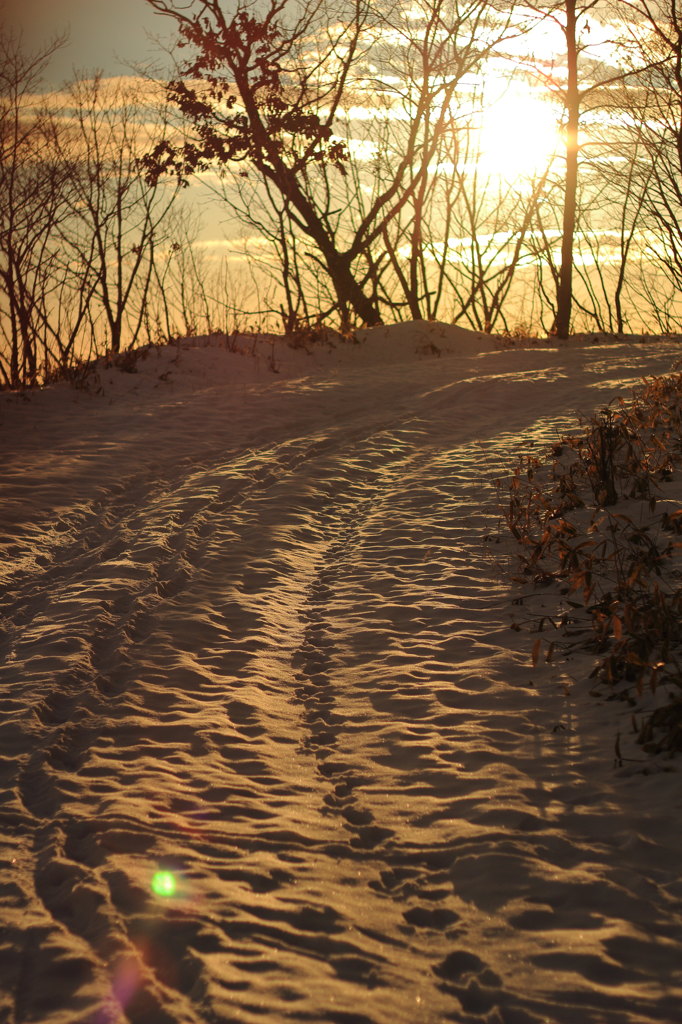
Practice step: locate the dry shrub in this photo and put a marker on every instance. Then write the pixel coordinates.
(585, 518)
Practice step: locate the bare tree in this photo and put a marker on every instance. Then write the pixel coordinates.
(117, 219)
(652, 107)
(270, 89)
(469, 235)
(32, 197)
(586, 88)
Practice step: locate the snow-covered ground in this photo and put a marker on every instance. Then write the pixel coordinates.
(269, 748)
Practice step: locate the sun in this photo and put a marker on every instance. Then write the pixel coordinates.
(519, 133)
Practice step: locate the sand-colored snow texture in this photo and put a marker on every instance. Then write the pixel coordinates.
(269, 748)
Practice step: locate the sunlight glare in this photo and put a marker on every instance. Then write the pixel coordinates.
(519, 134)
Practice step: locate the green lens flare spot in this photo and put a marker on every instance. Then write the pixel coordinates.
(164, 883)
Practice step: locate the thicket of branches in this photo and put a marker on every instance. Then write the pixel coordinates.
(93, 257)
(347, 140)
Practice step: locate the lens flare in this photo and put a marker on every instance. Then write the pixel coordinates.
(164, 884)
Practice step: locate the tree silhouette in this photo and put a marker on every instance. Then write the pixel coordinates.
(32, 194)
(269, 91)
(587, 85)
(260, 109)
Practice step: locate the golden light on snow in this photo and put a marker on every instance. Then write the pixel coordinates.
(291, 627)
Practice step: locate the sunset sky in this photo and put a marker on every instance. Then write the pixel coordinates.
(104, 36)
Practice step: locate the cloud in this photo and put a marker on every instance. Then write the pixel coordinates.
(106, 36)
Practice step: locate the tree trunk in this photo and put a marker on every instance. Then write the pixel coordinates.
(562, 322)
(348, 291)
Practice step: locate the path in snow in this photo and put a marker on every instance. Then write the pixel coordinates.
(256, 637)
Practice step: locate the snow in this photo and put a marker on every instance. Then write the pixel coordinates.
(269, 746)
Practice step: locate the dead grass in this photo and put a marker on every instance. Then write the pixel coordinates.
(599, 520)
